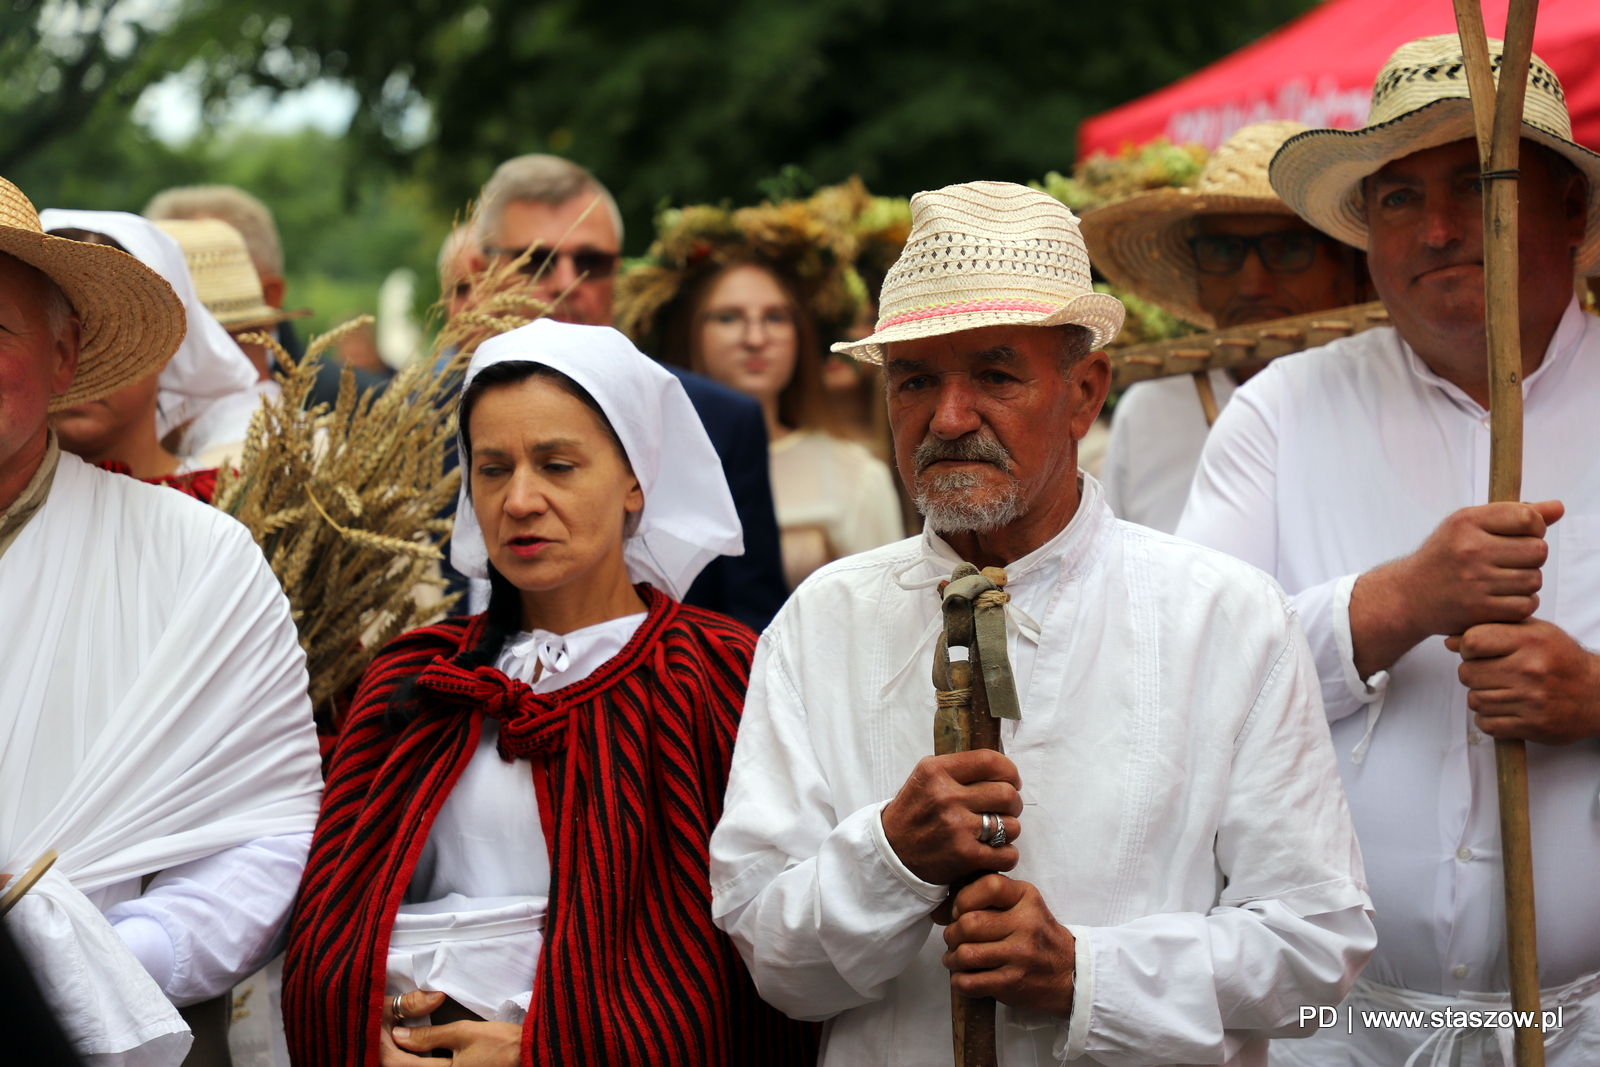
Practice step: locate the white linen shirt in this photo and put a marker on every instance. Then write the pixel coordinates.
(1157, 433)
(1181, 808)
(153, 718)
(473, 922)
(1335, 460)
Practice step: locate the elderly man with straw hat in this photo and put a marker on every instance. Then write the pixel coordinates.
(1356, 474)
(158, 739)
(1226, 252)
(1184, 874)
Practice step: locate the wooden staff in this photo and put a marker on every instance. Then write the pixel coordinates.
(29, 877)
(1497, 115)
(971, 697)
(1208, 396)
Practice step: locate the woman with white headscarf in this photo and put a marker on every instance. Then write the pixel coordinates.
(205, 395)
(514, 837)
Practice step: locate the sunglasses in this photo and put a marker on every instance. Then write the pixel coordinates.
(1281, 253)
(591, 265)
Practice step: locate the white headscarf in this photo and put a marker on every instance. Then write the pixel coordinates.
(209, 365)
(688, 517)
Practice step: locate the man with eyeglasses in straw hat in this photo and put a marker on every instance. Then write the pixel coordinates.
(1224, 252)
(1356, 475)
(158, 736)
(1183, 874)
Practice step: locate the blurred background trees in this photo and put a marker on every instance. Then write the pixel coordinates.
(676, 101)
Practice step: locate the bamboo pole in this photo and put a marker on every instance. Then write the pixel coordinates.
(1208, 396)
(26, 881)
(1498, 121)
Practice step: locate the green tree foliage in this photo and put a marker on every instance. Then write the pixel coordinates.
(667, 100)
(344, 226)
(699, 100)
(71, 69)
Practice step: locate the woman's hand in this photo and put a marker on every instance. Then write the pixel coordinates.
(470, 1044)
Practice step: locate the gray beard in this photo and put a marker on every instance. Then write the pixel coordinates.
(946, 509)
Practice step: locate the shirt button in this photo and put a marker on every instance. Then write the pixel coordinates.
(1463, 854)
(1474, 737)
(1459, 970)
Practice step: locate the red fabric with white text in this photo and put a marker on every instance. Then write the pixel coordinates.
(1319, 70)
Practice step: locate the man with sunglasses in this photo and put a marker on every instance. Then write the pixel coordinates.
(1226, 252)
(570, 227)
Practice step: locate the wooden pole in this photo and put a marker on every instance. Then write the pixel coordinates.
(1208, 396)
(27, 880)
(963, 723)
(1498, 121)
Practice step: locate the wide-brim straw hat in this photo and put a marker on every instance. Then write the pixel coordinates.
(1141, 243)
(225, 279)
(132, 321)
(988, 254)
(1420, 101)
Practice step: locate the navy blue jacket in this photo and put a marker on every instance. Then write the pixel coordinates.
(749, 587)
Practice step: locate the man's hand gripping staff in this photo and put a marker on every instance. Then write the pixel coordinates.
(954, 821)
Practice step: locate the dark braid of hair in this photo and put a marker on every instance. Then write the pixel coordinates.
(503, 619)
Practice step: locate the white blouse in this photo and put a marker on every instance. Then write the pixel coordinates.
(472, 924)
(833, 499)
(1156, 436)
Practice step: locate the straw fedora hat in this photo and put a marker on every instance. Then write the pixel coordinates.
(1420, 101)
(132, 320)
(1140, 242)
(988, 254)
(225, 279)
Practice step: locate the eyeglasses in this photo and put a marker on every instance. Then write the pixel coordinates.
(590, 264)
(1289, 252)
(775, 319)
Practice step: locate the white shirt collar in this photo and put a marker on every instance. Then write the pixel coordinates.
(1068, 553)
(1032, 579)
(1563, 344)
(566, 658)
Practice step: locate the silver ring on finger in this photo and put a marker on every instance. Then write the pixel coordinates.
(396, 1010)
(993, 831)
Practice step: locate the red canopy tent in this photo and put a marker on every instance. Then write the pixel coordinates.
(1319, 70)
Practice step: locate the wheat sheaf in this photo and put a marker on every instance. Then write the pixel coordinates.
(345, 501)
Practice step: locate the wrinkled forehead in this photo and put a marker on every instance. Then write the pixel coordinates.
(1009, 345)
(1454, 159)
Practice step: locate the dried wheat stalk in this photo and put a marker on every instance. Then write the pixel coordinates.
(345, 502)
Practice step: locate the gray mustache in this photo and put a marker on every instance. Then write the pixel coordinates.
(970, 448)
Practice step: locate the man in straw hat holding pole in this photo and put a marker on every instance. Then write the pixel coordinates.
(1225, 252)
(158, 738)
(1358, 473)
(1179, 874)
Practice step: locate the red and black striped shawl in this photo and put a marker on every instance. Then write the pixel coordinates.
(636, 760)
